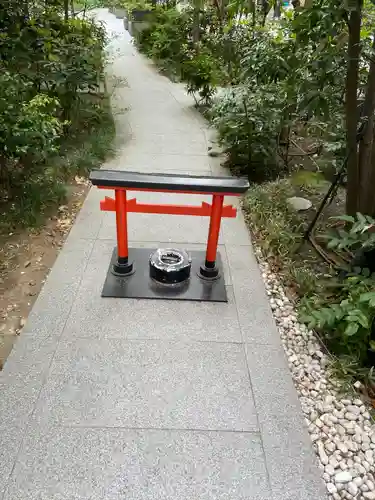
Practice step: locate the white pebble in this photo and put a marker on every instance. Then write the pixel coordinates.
(330, 446)
(331, 488)
(319, 423)
(357, 438)
(342, 429)
(343, 448)
(358, 481)
(366, 465)
(360, 469)
(329, 469)
(353, 409)
(343, 477)
(352, 489)
(369, 454)
(322, 454)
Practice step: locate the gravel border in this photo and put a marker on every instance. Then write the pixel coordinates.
(341, 429)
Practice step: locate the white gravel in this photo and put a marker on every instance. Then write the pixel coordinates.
(341, 428)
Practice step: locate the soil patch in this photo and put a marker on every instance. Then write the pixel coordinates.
(25, 260)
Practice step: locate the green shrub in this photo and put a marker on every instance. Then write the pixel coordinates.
(169, 42)
(249, 121)
(348, 322)
(30, 199)
(276, 225)
(29, 129)
(345, 316)
(359, 236)
(230, 45)
(36, 129)
(167, 39)
(50, 74)
(58, 57)
(201, 72)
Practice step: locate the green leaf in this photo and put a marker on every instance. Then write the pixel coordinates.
(366, 272)
(351, 329)
(345, 218)
(367, 297)
(361, 218)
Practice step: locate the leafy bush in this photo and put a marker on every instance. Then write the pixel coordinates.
(360, 236)
(29, 129)
(201, 72)
(249, 123)
(49, 67)
(348, 322)
(35, 129)
(346, 316)
(61, 58)
(270, 57)
(165, 39)
(229, 46)
(271, 218)
(169, 42)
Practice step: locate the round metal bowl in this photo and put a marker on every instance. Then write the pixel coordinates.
(170, 265)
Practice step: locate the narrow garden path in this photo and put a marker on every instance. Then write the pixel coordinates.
(109, 399)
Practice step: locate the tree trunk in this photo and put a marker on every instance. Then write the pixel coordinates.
(25, 9)
(196, 15)
(277, 10)
(220, 11)
(266, 6)
(66, 9)
(198, 6)
(366, 165)
(370, 198)
(252, 10)
(354, 25)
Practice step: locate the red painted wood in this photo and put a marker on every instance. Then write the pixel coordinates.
(120, 205)
(109, 205)
(214, 230)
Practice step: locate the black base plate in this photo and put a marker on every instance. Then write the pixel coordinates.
(141, 286)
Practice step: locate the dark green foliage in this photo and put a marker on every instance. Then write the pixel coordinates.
(249, 129)
(347, 323)
(360, 235)
(341, 308)
(167, 39)
(229, 46)
(57, 57)
(277, 226)
(50, 71)
(169, 42)
(346, 317)
(280, 77)
(201, 73)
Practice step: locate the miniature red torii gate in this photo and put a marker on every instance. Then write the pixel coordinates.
(122, 182)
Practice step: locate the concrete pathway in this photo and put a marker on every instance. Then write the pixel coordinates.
(108, 399)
